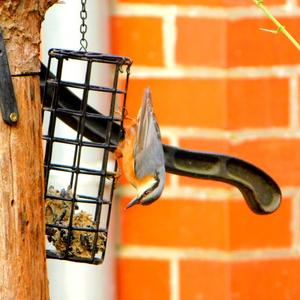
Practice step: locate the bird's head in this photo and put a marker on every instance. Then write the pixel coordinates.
(151, 193)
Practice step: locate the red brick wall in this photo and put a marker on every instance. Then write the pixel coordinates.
(219, 84)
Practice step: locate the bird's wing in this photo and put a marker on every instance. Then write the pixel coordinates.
(148, 150)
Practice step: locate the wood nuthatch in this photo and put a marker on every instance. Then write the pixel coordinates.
(143, 156)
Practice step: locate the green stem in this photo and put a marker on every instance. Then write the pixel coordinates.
(260, 4)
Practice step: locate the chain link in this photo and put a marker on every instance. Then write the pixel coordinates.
(83, 26)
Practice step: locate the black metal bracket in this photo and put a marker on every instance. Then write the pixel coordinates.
(260, 191)
(8, 103)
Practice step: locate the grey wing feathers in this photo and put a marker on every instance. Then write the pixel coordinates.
(148, 150)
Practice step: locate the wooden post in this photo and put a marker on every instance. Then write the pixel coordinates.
(22, 238)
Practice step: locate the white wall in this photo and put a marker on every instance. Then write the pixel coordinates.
(69, 280)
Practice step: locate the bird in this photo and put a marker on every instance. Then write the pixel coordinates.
(142, 155)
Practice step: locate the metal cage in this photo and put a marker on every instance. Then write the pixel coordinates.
(79, 167)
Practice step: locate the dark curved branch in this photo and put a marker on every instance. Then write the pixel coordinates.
(260, 191)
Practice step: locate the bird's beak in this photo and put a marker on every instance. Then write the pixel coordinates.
(133, 202)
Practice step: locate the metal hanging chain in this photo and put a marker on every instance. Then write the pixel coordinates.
(83, 26)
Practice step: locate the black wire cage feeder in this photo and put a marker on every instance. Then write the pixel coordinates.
(80, 168)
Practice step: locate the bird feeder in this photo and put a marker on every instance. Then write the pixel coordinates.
(80, 168)
(83, 113)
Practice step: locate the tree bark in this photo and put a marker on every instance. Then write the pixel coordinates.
(20, 21)
(22, 232)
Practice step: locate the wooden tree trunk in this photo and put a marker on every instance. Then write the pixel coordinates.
(22, 251)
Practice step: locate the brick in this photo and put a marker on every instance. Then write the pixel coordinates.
(139, 279)
(201, 2)
(224, 225)
(176, 223)
(262, 279)
(205, 144)
(249, 46)
(251, 103)
(275, 279)
(207, 280)
(203, 183)
(232, 43)
(250, 231)
(201, 41)
(278, 157)
(182, 102)
(139, 38)
(262, 102)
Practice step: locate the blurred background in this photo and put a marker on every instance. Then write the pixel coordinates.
(219, 84)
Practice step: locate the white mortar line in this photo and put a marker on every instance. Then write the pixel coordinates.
(291, 192)
(230, 13)
(232, 136)
(279, 71)
(295, 222)
(174, 181)
(174, 280)
(166, 253)
(188, 193)
(170, 135)
(169, 40)
(291, 5)
(200, 193)
(159, 253)
(157, 10)
(206, 194)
